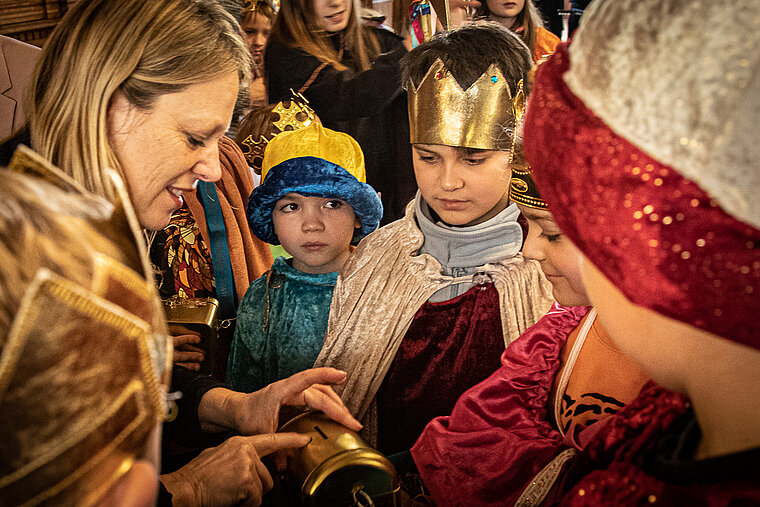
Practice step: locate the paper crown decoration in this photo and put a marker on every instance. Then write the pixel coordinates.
(255, 5)
(484, 116)
(286, 116)
(522, 189)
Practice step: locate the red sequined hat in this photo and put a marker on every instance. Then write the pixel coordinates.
(665, 234)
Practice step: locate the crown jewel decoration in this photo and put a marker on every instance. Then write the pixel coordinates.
(287, 115)
(484, 116)
(295, 115)
(254, 5)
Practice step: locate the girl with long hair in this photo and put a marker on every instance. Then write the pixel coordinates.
(522, 17)
(256, 22)
(349, 73)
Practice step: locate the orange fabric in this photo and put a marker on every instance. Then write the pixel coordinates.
(249, 256)
(602, 381)
(546, 43)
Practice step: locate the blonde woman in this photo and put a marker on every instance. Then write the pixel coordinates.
(350, 75)
(152, 100)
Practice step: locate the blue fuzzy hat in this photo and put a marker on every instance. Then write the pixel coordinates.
(315, 162)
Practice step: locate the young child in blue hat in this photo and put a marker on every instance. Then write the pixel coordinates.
(314, 202)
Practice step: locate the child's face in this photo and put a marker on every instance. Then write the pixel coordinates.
(332, 15)
(316, 231)
(507, 9)
(256, 31)
(464, 187)
(672, 352)
(654, 341)
(558, 257)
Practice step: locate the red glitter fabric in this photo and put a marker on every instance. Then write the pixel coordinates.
(653, 233)
(618, 449)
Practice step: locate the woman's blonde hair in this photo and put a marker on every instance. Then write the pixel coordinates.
(145, 48)
(296, 26)
(528, 19)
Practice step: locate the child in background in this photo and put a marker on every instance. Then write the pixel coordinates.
(350, 75)
(521, 17)
(256, 22)
(664, 208)
(557, 383)
(423, 309)
(313, 201)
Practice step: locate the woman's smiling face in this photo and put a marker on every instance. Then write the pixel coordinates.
(332, 15)
(165, 150)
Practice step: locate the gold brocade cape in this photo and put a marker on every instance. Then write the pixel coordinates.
(83, 369)
(379, 291)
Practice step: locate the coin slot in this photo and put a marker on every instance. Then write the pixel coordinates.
(321, 433)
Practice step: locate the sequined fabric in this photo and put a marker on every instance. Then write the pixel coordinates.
(615, 463)
(685, 93)
(656, 235)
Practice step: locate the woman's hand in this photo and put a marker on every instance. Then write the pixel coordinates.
(259, 412)
(230, 474)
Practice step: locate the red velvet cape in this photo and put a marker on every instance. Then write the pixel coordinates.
(498, 435)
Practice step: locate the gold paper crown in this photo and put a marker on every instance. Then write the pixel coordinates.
(287, 115)
(484, 116)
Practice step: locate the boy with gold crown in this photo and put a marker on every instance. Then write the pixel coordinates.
(425, 306)
(558, 384)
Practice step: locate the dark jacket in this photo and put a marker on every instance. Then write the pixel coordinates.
(370, 106)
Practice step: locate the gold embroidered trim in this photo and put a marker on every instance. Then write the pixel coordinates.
(542, 483)
(100, 310)
(135, 386)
